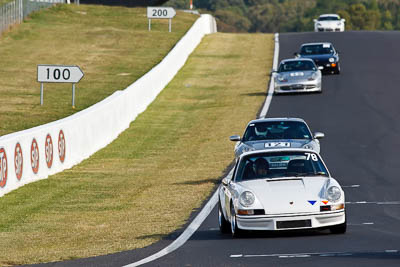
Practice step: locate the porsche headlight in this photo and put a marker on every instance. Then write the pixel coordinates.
(282, 79)
(312, 77)
(247, 149)
(247, 198)
(331, 59)
(333, 193)
(308, 146)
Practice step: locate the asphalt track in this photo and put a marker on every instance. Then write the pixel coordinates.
(358, 111)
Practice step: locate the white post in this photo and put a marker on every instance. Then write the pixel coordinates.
(41, 94)
(169, 25)
(73, 95)
(149, 24)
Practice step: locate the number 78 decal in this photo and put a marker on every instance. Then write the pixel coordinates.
(312, 156)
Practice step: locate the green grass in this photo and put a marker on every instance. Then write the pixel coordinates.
(112, 45)
(147, 182)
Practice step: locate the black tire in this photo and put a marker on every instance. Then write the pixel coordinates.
(224, 225)
(339, 229)
(337, 70)
(235, 230)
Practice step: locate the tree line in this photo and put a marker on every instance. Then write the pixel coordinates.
(296, 15)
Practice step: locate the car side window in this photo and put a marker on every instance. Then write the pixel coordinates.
(234, 170)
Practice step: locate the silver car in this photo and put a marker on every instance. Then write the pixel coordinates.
(297, 75)
(276, 133)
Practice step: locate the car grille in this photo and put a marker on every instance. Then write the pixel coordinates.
(293, 224)
(297, 87)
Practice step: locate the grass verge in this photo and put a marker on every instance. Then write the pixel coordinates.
(112, 45)
(146, 183)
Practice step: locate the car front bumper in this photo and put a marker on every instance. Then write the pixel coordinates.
(320, 29)
(305, 86)
(291, 222)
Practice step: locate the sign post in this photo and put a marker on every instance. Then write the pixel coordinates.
(161, 13)
(58, 74)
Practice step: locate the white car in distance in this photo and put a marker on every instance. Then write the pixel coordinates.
(329, 23)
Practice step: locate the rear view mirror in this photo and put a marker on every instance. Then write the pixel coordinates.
(319, 135)
(225, 181)
(234, 138)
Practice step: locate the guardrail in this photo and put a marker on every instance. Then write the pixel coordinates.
(15, 11)
(34, 154)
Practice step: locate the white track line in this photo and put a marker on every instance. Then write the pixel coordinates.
(303, 255)
(195, 224)
(270, 92)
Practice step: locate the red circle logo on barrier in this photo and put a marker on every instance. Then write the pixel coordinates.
(49, 151)
(35, 156)
(18, 161)
(61, 146)
(3, 167)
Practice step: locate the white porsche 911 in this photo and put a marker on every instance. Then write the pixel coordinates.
(280, 189)
(329, 23)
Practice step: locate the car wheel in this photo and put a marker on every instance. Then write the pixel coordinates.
(224, 225)
(337, 70)
(236, 232)
(339, 229)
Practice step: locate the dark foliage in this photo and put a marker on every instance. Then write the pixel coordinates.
(296, 15)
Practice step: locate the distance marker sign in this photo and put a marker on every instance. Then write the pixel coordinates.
(59, 74)
(160, 12)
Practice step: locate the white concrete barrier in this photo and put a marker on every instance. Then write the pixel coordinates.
(34, 154)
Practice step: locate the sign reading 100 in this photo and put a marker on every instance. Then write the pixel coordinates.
(59, 74)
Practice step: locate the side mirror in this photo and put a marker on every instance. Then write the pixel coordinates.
(343, 20)
(234, 138)
(319, 135)
(314, 20)
(320, 67)
(225, 181)
(295, 54)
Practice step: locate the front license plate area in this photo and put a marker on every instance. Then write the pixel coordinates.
(297, 86)
(293, 224)
(277, 144)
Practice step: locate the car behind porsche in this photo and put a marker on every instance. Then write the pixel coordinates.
(281, 189)
(271, 133)
(324, 55)
(297, 75)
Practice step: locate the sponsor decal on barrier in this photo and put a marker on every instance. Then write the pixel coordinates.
(325, 202)
(18, 161)
(61, 146)
(312, 202)
(35, 156)
(49, 151)
(3, 167)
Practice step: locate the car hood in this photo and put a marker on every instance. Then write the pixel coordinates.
(289, 194)
(263, 144)
(297, 75)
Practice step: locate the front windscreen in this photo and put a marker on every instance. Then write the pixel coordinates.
(280, 164)
(298, 65)
(328, 18)
(274, 130)
(319, 49)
